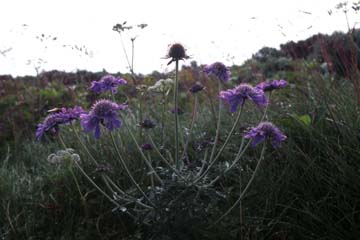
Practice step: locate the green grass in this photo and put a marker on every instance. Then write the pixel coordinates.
(308, 189)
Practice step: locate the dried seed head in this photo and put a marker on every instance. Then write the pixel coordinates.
(176, 52)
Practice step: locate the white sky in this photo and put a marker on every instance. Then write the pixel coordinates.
(228, 31)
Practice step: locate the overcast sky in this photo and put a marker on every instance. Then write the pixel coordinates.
(228, 31)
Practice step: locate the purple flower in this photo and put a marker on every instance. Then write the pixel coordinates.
(107, 83)
(103, 112)
(240, 93)
(274, 84)
(219, 70)
(263, 131)
(197, 87)
(51, 122)
(73, 113)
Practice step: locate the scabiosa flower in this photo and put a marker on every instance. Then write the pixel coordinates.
(49, 125)
(107, 83)
(147, 124)
(263, 131)
(147, 147)
(103, 112)
(240, 93)
(73, 113)
(219, 70)
(274, 84)
(51, 122)
(197, 87)
(176, 52)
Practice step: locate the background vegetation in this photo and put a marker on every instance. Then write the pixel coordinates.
(308, 189)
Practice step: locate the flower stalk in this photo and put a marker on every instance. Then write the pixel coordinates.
(176, 114)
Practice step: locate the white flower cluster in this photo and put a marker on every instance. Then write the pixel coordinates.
(163, 85)
(63, 155)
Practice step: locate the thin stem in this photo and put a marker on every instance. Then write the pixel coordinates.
(142, 153)
(203, 163)
(132, 53)
(211, 106)
(62, 141)
(223, 146)
(83, 145)
(127, 170)
(105, 178)
(163, 118)
(164, 159)
(151, 175)
(218, 126)
(193, 117)
(237, 158)
(140, 116)
(266, 108)
(247, 186)
(83, 199)
(127, 60)
(177, 162)
(95, 185)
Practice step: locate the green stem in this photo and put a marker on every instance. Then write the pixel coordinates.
(83, 145)
(106, 179)
(163, 118)
(164, 159)
(193, 117)
(203, 164)
(266, 108)
(127, 170)
(95, 185)
(211, 107)
(62, 141)
(218, 126)
(176, 156)
(223, 146)
(140, 117)
(142, 153)
(246, 188)
(127, 60)
(237, 158)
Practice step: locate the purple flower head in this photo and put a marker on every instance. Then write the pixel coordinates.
(240, 93)
(51, 122)
(103, 112)
(107, 83)
(73, 113)
(147, 124)
(265, 130)
(147, 147)
(197, 87)
(219, 70)
(274, 84)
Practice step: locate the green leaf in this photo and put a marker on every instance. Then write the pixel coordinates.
(305, 119)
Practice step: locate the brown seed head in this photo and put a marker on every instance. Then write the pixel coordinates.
(176, 52)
